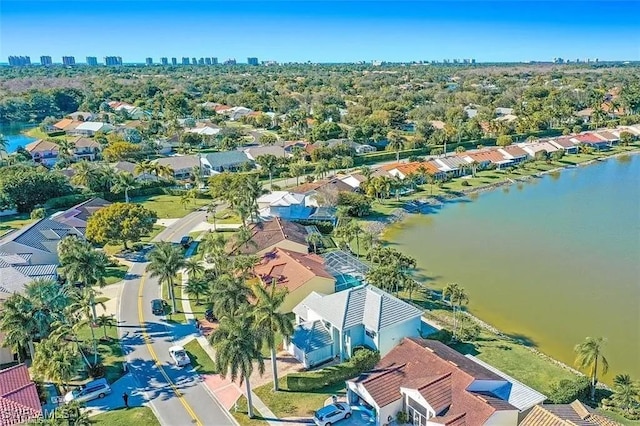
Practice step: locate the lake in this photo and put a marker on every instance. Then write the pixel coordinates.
(552, 261)
(12, 132)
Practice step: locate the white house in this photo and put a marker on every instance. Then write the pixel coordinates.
(436, 385)
(329, 326)
(90, 128)
(285, 205)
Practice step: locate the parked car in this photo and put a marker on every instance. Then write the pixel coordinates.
(330, 414)
(92, 390)
(179, 356)
(186, 241)
(158, 306)
(209, 316)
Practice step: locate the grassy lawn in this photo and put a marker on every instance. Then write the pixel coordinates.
(179, 316)
(266, 351)
(200, 360)
(9, 223)
(507, 355)
(241, 416)
(617, 417)
(226, 216)
(169, 206)
(126, 417)
(109, 351)
(285, 403)
(115, 274)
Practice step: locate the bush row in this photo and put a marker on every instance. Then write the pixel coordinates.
(362, 360)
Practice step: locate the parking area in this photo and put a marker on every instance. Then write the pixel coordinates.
(359, 417)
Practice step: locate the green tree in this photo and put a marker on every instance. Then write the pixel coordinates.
(229, 295)
(268, 139)
(588, 355)
(270, 321)
(237, 346)
(120, 151)
(626, 393)
(296, 170)
(269, 163)
(457, 297)
(165, 261)
(326, 131)
(120, 223)
(197, 287)
(194, 268)
(125, 182)
(626, 138)
(56, 361)
(25, 187)
(105, 321)
(314, 239)
(396, 143)
(504, 140)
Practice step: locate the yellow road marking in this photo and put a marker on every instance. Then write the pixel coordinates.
(147, 341)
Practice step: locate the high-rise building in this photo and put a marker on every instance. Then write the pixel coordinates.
(92, 61)
(68, 60)
(19, 61)
(201, 61)
(46, 61)
(230, 61)
(194, 61)
(112, 60)
(174, 61)
(148, 61)
(252, 61)
(214, 61)
(207, 61)
(185, 60)
(164, 61)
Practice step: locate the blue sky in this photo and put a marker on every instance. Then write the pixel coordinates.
(341, 31)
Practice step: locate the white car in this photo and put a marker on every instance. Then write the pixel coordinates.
(179, 356)
(92, 390)
(330, 414)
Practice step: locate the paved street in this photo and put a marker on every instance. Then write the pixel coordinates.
(177, 395)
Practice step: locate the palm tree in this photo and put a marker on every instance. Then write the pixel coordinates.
(55, 361)
(410, 285)
(244, 236)
(125, 182)
(198, 288)
(270, 321)
(243, 264)
(396, 143)
(105, 321)
(269, 163)
(626, 392)
(457, 297)
(314, 239)
(84, 174)
(237, 345)
(296, 170)
(229, 295)
(588, 353)
(165, 261)
(4, 143)
(322, 167)
(17, 325)
(193, 268)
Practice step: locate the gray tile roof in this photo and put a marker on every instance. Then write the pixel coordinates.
(78, 215)
(13, 279)
(42, 235)
(310, 336)
(226, 159)
(365, 304)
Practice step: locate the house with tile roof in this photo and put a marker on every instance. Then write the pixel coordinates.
(323, 192)
(224, 161)
(17, 270)
(285, 205)
(256, 151)
(85, 149)
(39, 240)
(514, 153)
(182, 165)
(78, 215)
(589, 139)
(333, 325)
(608, 136)
(532, 148)
(19, 400)
(43, 152)
(485, 157)
(300, 273)
(271, 234)
(564, 143)
(574, 414)
(436, 385)
(67, 124)
(90, 128)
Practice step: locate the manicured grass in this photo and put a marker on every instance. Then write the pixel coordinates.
(126, 417)
(169, 206)
(225, 217)
(115, 274)
(37, 133)
(266, 350)
(200, 360)
(285, 403)
(241, 416)
(179, 316)
(617, 417)
(511, 357)
(109, 351)
(9, 223)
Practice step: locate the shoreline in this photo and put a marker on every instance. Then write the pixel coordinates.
(401, 213)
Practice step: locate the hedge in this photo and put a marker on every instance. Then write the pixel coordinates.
(377, 157)
(67, 201)
(325, 227)
(362, 360)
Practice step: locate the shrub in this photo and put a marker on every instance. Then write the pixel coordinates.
(445, 336)
(469, 330)
(402, 417)
(323, 226)
(361, 361)
(359, 205)
(38, 213)
(465, 183)
(568, 390)
(96, 371)
(66, 201)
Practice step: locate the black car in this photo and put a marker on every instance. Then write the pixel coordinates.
(209, 316)
(157, 306)
(186, 241)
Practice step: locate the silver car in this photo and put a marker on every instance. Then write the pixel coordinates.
(92, 390)
(179, 356)
(330, 414)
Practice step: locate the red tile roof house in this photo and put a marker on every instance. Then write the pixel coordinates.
(435, 385)
(19, 400)
(591, 140)
(565, 144)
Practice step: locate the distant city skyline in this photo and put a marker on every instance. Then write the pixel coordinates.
(334, 32)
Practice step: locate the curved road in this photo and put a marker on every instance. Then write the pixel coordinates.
(177, 395)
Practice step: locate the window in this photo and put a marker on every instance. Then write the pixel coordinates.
(370, 333)
(327, 324)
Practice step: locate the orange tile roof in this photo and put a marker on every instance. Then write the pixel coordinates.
(515, 151)
(290, 269)
(490, 155)
(413, 167)
(63, 123)
(41, 146)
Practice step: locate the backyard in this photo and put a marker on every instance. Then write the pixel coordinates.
(169, 206)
